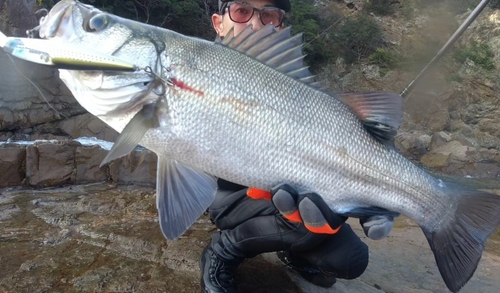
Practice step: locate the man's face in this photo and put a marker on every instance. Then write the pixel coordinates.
(223, 23)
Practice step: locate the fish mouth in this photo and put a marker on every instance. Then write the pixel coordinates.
(61, 20)
(102, 92)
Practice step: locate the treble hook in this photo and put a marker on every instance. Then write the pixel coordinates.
(149, 70)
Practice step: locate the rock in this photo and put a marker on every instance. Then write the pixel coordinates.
(486, 140)
(405, 141)
(371, 72)
(439, 139)
(12, 162)
(139, 167)
(17, 16)
(49, 164)
(423, 142)
(87, 125)
(88, 159)
(55, 163)
(354, 4)
(490, 155)
(436, 159)
(453, 151)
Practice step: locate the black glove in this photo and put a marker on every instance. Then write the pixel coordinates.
(309, 208)
(377, 227)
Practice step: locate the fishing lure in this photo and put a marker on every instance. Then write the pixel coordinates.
(62, 55)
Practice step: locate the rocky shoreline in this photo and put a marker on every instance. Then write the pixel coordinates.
(106, 238)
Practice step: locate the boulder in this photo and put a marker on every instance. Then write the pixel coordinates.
(51, 164)
(12, 162)
(88, 159)
(138, 167)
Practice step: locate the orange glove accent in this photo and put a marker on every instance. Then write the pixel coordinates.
(294, 217)
(325, 229)
(258, 193)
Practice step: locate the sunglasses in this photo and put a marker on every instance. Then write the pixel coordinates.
(242, 12)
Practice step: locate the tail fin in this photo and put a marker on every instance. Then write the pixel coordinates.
(459, 242)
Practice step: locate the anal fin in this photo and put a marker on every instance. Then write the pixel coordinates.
(183, 195)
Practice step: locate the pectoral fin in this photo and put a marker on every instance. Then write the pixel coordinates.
(183, 194)
(132, 134)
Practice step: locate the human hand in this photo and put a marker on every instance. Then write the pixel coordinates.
(377, 227)
(309, 208)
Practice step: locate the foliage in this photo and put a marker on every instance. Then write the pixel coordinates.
(383, 58)
(381, 7)
(305, 19)
(495, 4)
(358, 38)
(45, 3)
(479, 53)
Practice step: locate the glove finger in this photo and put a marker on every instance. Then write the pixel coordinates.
(378, 227)
(287, 188)
(286, 204)
(317, 216)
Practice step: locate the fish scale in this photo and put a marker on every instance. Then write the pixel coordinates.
(230, 110)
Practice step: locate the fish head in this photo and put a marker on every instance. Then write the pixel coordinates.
(108, 93)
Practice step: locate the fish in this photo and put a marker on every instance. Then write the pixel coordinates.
(246, 109)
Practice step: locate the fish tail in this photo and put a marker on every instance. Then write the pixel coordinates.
(458, 242)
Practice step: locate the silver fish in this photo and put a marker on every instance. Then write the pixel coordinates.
(247, 110)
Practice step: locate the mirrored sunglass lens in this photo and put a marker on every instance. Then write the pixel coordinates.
(271, 16)
(240, 12)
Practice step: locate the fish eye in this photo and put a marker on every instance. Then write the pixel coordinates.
(96, 23)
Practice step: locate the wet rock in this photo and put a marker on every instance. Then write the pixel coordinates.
(106, 238)
(12, 162)
(50, 164)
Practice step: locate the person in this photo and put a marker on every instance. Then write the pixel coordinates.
(304, 232)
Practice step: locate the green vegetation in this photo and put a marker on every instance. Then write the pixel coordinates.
(357, 38)
(495, 4)
(383, 58)
(381, 7)
(305, 19)
(45, 3)
(479, 53)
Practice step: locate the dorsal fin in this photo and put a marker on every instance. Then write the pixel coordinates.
(276, 48)
(380, 112)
